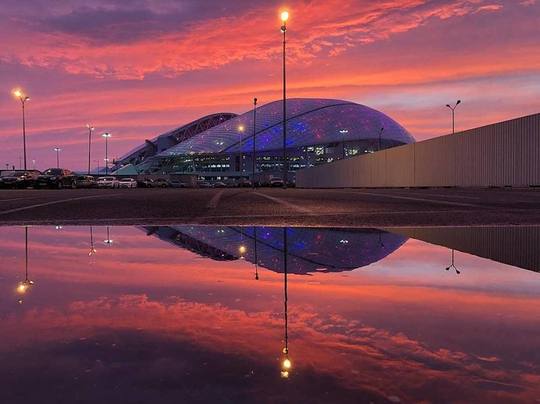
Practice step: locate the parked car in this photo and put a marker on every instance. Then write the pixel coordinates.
(161, 183)
(145, 183)
(276, 182)
(179, 184)
(204, 184)
(220, 184)
(18, 178)
(107, 182)
(56, 178)
(244, 183)
(127, 183)
(85, 181)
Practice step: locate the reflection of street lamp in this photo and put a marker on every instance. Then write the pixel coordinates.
(380, 136)
(284, 18)
(90, 130)
(255, 253)
(242, 250)
(286, 363)
(25, 285)
(108, 241)
(452, 264)
(57, 150)
(17, 93)
(92, 248)
(453, 112)
(106, 135)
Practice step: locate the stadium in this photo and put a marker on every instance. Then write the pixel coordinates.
(223, 145)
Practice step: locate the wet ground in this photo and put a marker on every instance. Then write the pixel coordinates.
(186, 313)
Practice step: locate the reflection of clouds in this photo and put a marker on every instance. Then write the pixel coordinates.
(359, 356)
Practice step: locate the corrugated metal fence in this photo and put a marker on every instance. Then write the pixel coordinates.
(503, 154)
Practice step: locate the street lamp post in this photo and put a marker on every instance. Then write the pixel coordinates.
(453, 113)
(254, 159)
(241, 129)
(284, 18)
(57, 150)
(23, 98)
(90, 130)
(343, 133)
(106, 135)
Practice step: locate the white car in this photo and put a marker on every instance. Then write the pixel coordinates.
(107, 182)
(127, 183)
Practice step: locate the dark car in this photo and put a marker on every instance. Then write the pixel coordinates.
(85, 181)
(145, 183)
(56, 178)
(18, 178)
(161, 183)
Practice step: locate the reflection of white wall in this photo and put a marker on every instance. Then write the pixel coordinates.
(503, 154)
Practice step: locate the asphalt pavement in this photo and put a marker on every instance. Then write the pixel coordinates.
(274, 206)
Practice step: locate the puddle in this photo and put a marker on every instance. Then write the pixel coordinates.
(236, 314)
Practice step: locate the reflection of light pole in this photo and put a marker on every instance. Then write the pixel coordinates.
(255, 252)
(453, 110)
(452, 264)
(284, 18)
(57, 150)
(90, 130)
(380, 136)
(92, 248)
(286, 363)
(108, 241)
(253, 163)
(106, 135)
(23, 98)
(23, 286)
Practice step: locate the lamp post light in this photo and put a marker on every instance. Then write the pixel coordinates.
(17, 93)
(286, 363)
(254, 158)
(453, 108)
(25, 285)
(284, 18)
(106, 135)
(380, 136)
(57, 150)
(90, 130)
(108, 241)
(241, 129)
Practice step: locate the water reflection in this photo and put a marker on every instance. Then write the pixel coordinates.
(24, 286)
(150, 321)
(309, 250)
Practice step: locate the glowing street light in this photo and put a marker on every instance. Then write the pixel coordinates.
(106, 135)
(90, 130)
(284, 17)
(21, 96)
(25, 285)
(57, 150)
(453, 112)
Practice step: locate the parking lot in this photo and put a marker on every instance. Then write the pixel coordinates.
(272, 206)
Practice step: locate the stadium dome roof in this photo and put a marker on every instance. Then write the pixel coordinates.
(310, 121)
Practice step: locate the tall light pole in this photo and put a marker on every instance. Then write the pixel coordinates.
(241, 129)
(23, 98)
(253, 162)
(343, 133)
(106, 135)
(453, 113)
(90, 130)
(284, 18)
(57, 150)
(286, 363)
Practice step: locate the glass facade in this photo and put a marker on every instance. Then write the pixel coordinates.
(319, 131)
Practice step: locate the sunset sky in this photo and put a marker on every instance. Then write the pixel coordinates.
(139, 68)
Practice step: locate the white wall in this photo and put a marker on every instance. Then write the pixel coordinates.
(503, 154)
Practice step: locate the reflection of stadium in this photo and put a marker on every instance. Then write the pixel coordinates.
(318, 131)
(308, 249)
